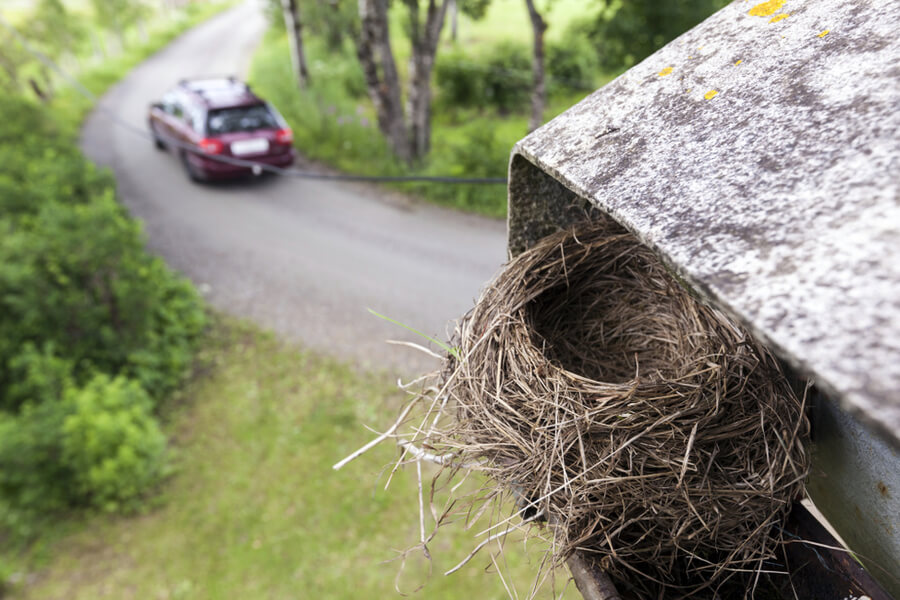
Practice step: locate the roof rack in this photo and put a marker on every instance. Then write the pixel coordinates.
(185, 82)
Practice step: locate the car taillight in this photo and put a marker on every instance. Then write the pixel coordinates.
(284, 136)
(210, 146)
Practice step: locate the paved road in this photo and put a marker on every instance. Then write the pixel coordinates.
(302, 258)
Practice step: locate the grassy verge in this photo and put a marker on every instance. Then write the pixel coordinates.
(334, 121)
(254, 509)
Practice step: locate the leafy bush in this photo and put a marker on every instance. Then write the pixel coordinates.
(458, 82)
(39, 161)
(38, 376)
(33, 479)
(478, 154)
(573, 64)
(499, 78)
(111, 442)
(475, 153)
(507, 77)
(625, 33)
(80, 278)
(99, 446)
(92, 328)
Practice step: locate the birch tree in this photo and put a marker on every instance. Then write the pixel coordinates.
(538, 86)
(424, 37)
(291, 12)
(408, 131)
(373, 49)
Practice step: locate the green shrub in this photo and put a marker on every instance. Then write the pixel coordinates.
(99, 446)
(111, 443)
(459, 84)
(500, 78)
(23, 122)
(476, 152)
(39, 161)
(507, 77)
(625, 33)
(37, 376)
(91, 326)
(33, 480)
(572, 64)
(78, 277)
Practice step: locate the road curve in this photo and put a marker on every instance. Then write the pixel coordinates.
(303, 258)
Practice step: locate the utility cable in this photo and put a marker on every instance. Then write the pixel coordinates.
(256, 166)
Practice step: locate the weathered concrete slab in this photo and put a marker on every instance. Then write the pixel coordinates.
(759, 156)
(762, 160)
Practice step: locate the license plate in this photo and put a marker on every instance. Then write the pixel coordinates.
(254, 146)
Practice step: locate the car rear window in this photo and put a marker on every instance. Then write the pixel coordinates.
(241, 118)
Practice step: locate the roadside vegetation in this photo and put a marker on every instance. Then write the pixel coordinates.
(149, 450)
(484, 89)
(94, 332)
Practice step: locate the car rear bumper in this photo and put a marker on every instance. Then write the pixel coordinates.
(216, 169)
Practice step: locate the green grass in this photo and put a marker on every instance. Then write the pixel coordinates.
(255, 511)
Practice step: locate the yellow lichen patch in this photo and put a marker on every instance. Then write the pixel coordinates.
(739, 62)
(710, 94)
(665, 71)
(824, 33)
(777, 18)
(766, 9)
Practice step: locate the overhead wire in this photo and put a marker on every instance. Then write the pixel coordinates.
(232, 160)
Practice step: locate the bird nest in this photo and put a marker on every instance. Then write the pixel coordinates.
(648, 431)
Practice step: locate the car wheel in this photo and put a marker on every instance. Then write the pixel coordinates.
(157, 141)
(193, 173)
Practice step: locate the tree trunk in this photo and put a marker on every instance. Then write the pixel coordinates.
(380, 71)
(424, 40)
(454, 20)
(538, 90)
(295, 37)
(38, 90)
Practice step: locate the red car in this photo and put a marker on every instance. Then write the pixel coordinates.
(206, 119)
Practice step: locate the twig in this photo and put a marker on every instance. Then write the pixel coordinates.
(420, 454)
(416, 347)
(484, 543)
(377, 440)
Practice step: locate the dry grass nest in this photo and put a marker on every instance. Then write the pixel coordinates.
(648, 430)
